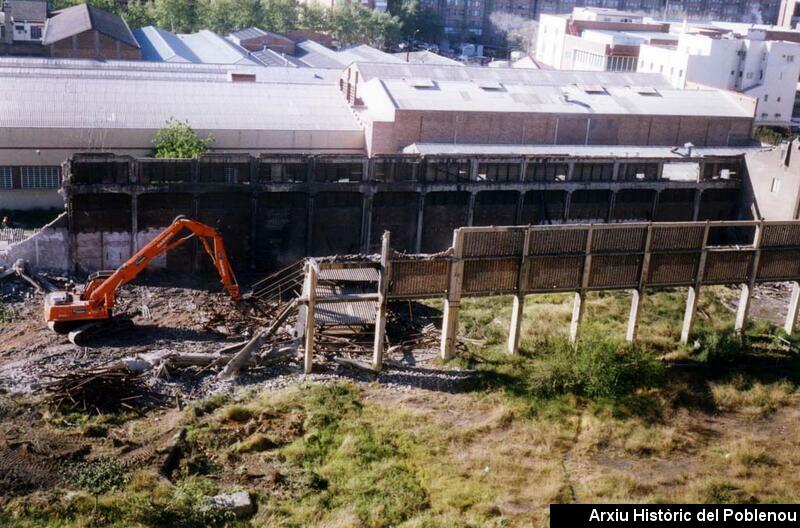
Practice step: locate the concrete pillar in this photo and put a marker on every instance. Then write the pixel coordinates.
(698, 196)
(366, 222)
(517, 309)
(134, 223)
(516, 323)
(794, 304)
(453, 299)
(310, 288)
(633, 316)
(688, 314)
(471, 208)
(520, 208)
(420, 219)
(310, 226)
(578, 303)
(612, 203)
(638, 293)
(694, 291)
(567, 204)
(654, 211)
(577, 316)
(253, 231)
(743, 309)
(383, 291)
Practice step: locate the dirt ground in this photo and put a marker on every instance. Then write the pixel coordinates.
(688, 455)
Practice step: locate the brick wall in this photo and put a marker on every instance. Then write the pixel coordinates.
(546, 129)
(94, 45)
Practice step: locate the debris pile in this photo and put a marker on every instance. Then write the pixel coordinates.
(100, 390)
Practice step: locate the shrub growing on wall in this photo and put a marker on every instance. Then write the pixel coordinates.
(176, 139)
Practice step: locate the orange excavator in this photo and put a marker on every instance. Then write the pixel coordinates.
(75, 311)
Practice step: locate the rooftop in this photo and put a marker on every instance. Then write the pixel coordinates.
(11, 67)
(203, 47)
(84, 17)
(28, 10)
(70, 101)
(507, 75)
(482, 96)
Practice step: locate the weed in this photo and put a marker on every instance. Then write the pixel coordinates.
(237, 413)
(209, 405)
(754, 398)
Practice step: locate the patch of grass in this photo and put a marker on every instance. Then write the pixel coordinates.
(237, 413)
(255, 443)
(209, 405)
(753, 398)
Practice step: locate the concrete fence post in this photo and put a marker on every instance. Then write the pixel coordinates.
(794, 304)
(310, 293)
(694, 290)
(638, 293)
(453, 298)
(743, 310)
(383, 293)
(518, 306)
(579, 303)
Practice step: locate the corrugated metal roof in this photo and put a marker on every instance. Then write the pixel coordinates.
(426, 57)
(352, 313)
(370, 70)
(268, 57)
(80, 102)
(167, 71)
(210, 48)
(248, 33)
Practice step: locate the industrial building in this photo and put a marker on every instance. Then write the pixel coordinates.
(312, 161)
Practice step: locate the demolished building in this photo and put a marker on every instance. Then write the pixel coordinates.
(317, 162)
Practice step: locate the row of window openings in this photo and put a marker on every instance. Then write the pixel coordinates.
(31, 178)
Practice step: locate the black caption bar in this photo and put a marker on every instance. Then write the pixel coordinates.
(674, 515)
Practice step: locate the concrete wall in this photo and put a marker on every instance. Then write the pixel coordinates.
(775, 181)
(47, 249)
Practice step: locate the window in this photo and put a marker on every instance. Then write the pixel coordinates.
(749, 75)
(36, 32)
(5, 178)
(231, 174)
(790, 58)
(766, 97)
(20, 29)
(778, 99)
(39, 177)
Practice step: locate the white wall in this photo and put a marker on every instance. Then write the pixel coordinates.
(766, 70)
(550, 40)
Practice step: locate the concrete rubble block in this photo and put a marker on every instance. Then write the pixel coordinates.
(238, 503)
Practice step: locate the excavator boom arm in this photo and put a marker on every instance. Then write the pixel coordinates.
(103, 291)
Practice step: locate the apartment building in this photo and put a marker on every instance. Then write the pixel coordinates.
(752, 64)
(597, 39)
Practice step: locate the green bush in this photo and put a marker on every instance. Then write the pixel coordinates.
(594, 369)
(721, 348)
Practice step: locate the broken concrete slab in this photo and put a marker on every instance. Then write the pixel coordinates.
(238, 503)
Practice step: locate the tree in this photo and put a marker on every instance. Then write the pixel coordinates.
(356, 24)
(176, 139)
(279, 15)
(174, 15)
(314, 17)
(519, 32)
(224, 16)
(415, 20)
(138, 14)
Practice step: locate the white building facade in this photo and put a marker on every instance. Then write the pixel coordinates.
(763, 69)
